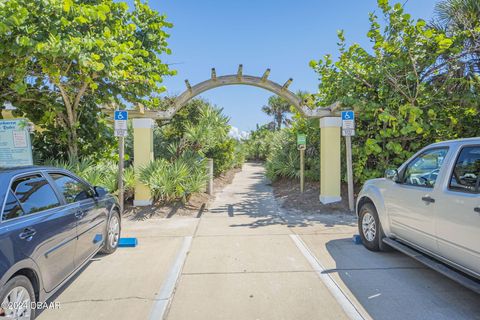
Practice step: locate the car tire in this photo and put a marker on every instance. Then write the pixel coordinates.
(113, 230)
(370, 229)
(17, 283)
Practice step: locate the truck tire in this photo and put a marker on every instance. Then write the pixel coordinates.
(370, 229)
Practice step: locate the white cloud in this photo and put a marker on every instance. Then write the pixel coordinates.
(237, 134)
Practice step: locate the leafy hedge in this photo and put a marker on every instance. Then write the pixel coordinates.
(419, 83)
(416, 85)
(104, 174)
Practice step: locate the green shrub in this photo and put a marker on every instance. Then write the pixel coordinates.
(223, 155)
(104, 174)
(283, 160)
(172, 181)
(129, 181)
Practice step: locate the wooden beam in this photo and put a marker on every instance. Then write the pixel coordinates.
(240, 71)
(287, 84)
(265, 75)
(187, 83)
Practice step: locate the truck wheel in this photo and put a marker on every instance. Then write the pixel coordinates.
(16, 299)
(113, 234)
(369, 227)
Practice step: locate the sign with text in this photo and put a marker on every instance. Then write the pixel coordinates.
(348, 123)
(301, 139)
(121, 117)
(15, 144)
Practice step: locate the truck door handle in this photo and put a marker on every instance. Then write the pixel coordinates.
(477, 209)
(428, 199)
(27, 234)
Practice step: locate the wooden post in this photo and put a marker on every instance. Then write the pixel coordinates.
(348, 147)
(210, 176)
(121, 156)
(302, 169)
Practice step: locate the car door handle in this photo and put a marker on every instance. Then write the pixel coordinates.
(428, 199)
(80, 214)
(27, 234)
(477, 209)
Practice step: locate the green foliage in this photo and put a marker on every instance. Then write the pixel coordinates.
(177, 180)
(223, 155)
(406, 90)
(258, 144)
(129, 182)
(283, 159)
(181, 146)
(61, 59)
(277, 107)
(279, 149)
(197, 128)
(104, 174)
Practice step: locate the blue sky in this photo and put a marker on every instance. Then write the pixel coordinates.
(278, 34)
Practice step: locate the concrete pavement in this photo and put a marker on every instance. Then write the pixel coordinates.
(250, 260)
(244, 265)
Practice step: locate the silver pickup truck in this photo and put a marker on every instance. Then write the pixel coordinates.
(429, 207)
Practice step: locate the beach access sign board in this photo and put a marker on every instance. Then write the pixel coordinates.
(15, 144)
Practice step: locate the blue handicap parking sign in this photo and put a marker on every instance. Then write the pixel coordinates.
(121, 115)
(348, 115)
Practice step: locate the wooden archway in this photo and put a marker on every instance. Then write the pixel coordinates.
(240, 79)
(143, 124)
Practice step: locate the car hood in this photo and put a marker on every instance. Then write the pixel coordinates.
(374, 181)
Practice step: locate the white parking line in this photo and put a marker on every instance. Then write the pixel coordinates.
(332, 286)
(165, 294)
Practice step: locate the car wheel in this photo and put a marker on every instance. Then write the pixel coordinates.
(369, 227)
(113, 234)
(16, 299)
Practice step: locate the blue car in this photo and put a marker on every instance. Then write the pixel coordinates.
(51, 224)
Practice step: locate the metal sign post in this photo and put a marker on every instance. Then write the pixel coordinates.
(348, 130)
(301, 145)
(121, 117)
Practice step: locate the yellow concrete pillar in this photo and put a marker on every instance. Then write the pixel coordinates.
(330, 159)
(142, 154)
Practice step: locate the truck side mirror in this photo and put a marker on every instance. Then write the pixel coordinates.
(391, 174)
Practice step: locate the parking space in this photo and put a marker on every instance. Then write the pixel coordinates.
(246, 258)
(124, 285)
(389, 285)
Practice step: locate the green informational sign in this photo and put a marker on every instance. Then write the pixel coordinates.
(15, 145)
(301, 139)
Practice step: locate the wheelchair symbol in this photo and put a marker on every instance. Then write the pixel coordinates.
(347, 115)
(121, 115)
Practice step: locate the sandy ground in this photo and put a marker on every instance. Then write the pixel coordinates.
(287, 192)
(197, 204)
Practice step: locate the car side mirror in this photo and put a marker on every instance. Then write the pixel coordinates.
(100, 191)
(392, 174)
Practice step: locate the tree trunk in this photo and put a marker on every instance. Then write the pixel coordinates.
(73, 143)
(72, 117)
(279, 120)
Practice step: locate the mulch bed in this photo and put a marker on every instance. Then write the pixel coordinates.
(288, 192)
(194, 207)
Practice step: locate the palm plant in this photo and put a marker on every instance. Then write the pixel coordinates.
(177, 180)
(278, 108)
(461, 18)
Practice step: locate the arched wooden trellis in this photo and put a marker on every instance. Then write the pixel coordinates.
(240, 79)
(329, 124)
